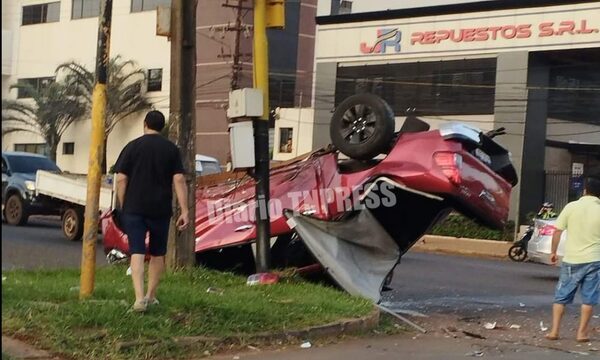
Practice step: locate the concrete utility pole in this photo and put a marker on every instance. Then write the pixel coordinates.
(90, 226)
(182, 122)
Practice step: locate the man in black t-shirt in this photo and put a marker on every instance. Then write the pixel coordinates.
(147, 170)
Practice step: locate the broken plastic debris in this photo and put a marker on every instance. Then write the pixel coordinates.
(128, 272)
(515, 326)
(262, 279)
(306, 345)
(542, 327)
(490, 326)
(475, 353)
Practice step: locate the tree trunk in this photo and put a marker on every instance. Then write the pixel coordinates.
(103, 167)
(53, 148)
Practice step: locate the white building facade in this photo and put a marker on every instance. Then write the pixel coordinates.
(37, 36)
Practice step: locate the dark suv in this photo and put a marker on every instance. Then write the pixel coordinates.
(18, 187)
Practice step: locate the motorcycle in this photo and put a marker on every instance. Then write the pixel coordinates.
(518, 252)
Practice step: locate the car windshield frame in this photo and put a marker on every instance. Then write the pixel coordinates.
(25, 164)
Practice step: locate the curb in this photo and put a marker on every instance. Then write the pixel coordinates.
(20, 350)
(463, 246)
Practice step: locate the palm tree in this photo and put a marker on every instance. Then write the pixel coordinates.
(49, 112)
(124, 92)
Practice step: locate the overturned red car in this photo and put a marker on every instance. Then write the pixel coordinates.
(355, 215)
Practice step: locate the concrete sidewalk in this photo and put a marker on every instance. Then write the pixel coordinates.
(463, 246)
(430, 347)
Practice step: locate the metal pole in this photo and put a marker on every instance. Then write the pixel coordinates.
(261, 138)
(90, 227)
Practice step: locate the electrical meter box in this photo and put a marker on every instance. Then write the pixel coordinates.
(241, 140)
(245, 103)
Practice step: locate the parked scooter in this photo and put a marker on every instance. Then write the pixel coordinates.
(518, 252)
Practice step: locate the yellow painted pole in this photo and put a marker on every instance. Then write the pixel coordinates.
(261, 54)
(261, 138)
(92, 209)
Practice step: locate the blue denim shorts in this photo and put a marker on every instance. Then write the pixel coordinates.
(586, 277)
(136, 227)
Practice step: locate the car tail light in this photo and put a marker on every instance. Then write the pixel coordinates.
(450, 163)
(547, 230)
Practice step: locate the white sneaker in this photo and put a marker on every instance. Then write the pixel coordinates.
(153, 301)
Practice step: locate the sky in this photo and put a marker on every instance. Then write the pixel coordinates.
(324, 6)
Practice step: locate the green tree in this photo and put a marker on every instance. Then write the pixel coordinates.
(125, 95)
(47, 111)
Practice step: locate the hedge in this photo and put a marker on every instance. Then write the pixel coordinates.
(460, 226)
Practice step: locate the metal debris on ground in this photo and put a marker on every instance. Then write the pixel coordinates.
(473, 335)
(490, 326)
(383, 308)
(306, 345)
(449, 332)
(475, 353)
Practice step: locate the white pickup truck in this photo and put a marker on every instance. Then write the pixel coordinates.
(71, 191)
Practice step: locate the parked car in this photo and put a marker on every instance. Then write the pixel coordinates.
(367, 211)
(19, 199)
(540, 246)
(206, 165)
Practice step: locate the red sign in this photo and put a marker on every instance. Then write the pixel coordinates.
(501, 32)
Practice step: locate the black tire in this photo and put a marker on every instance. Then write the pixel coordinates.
(362, 126)
(15, 210)
(517, 253)
(72, 223)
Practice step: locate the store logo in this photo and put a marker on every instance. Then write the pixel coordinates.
(385, 38)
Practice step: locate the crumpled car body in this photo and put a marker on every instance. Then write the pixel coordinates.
(423, 177)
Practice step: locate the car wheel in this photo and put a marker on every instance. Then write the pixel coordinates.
(362, 126)
(72, 224)
(15, 210)
(517, 253)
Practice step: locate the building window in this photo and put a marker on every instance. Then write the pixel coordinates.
(37, 84)
(41, 149)
(154, 79)
(145, 5)
(41, 13)
(85, 9)
(285, 140)
(68, 148)
(458, 87)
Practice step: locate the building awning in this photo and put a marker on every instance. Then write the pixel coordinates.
(575, 147)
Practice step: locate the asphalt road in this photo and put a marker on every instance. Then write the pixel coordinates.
(41, 244)
(448, 283)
